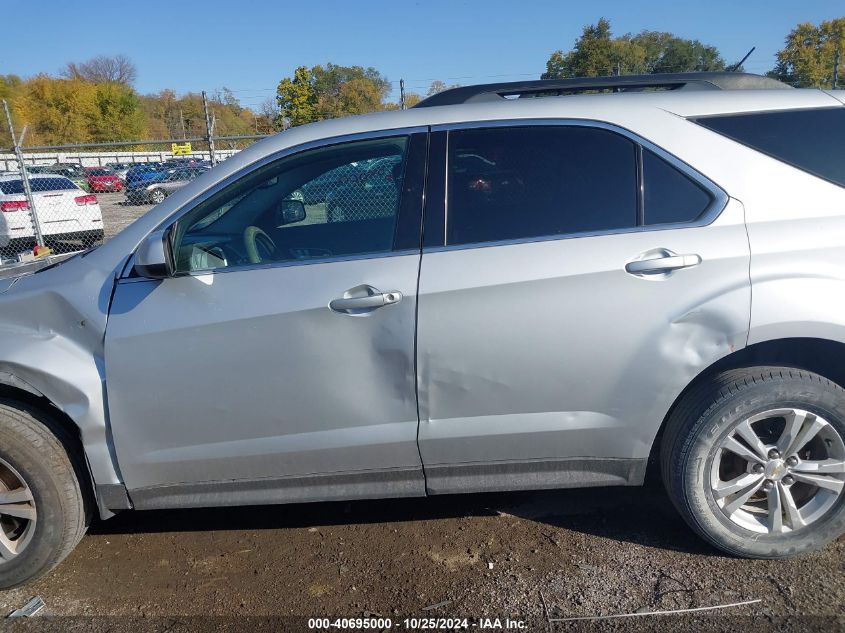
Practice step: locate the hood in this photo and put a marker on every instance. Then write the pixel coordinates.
(11, 273)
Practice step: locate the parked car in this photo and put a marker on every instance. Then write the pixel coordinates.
(73, 172)
(155, 190)
(143, 174)
(315, 191)
(372, 193)
(561, 296)
(64, 212)
(120, 169)
(103, 179)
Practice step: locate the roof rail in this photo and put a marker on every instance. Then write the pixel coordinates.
(621, 83)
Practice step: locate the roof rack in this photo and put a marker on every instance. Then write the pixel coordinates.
(622, 83)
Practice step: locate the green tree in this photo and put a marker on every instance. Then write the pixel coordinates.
(324, 92)
(296, 98)
(598, 53)
(118, 114)
(807, 58)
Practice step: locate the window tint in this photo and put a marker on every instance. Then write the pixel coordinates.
(522, 182)
(808, 139)
(328, 202)
(670, 196)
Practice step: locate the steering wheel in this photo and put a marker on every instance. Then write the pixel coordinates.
(259, 246)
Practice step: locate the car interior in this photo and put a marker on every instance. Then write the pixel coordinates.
(262, 218)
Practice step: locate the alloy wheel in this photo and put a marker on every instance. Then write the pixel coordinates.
(778, 471)
(17, 512)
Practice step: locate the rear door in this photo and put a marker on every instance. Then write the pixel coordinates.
(575, 281)
(278, 364)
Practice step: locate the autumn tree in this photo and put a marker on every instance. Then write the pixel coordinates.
(103, 69)
(329, 91)
(807, 58)
(296, 98)
(598, 53)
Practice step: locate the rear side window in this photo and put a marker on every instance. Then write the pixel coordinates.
(523, 182)
(811, 139)
(37, 184)
(670, 196)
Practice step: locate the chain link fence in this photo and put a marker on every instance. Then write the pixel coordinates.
(67, 198)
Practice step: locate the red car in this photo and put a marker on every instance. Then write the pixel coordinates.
(102, 179)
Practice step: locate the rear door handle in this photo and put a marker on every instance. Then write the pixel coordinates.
(662, 265)
(369, 299)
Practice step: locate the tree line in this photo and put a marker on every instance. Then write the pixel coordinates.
(95, 100)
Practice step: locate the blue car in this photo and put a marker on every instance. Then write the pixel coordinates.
(140, 176)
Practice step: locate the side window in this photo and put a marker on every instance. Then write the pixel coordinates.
(809, 139)
(318, 204)
(670, 196)
(523, 182)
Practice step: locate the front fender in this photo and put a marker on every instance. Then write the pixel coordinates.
(52, 325)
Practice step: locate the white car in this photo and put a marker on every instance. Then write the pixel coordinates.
(64, 212)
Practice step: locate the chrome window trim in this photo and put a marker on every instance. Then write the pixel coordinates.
(282, 264)
(708, 216)
(262, 162)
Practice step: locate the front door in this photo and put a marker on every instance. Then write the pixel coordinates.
(277, 364)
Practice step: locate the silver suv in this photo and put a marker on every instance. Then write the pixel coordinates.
(566, 289)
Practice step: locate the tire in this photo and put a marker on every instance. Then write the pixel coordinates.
(32, 453)
(157, 196)
(768, 400)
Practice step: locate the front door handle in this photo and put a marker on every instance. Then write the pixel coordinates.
(364, 299)
(662, 265)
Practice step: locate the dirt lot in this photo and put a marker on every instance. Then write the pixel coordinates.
(589, 552)
(529, 556)
(117, 214)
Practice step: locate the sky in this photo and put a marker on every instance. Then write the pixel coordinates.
(249, 45)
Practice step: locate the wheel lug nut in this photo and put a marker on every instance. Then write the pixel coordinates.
(792, 461)
(768, 485)
(788, 480)
(757, 468)
(774, 454)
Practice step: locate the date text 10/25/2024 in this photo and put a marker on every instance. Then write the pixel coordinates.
(443, 624)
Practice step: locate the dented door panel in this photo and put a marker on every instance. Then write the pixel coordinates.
(550, 350)
(248, 375)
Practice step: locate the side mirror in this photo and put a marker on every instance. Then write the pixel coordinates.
(152, 259)
(289, 212)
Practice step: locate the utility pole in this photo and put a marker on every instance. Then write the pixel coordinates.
(402, 93)
(836, 68)
(209, 129)
(617, 69)
(27, 190)
(182, 120)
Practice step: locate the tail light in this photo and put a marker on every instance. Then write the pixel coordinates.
(87, 199)
(14, 205)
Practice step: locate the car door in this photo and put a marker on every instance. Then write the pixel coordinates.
(278, 362)
(573, 282)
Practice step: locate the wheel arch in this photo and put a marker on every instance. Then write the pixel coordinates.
(818, 355)
(19, 392)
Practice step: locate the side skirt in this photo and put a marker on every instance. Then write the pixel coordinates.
(374, 484)
(578, 472)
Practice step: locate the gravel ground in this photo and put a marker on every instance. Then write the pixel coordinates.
(117, 214)
(528, 556)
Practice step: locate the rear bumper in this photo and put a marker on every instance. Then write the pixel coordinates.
(84, 238)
